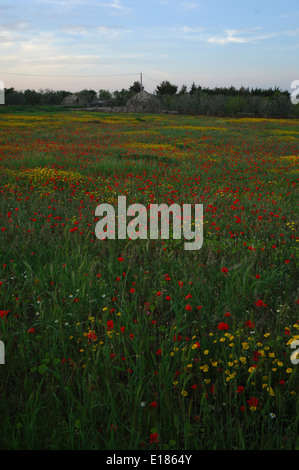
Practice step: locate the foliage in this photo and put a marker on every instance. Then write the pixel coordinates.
(166, 88)
(220, 101)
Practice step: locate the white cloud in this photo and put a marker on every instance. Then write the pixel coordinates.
(58, 60)
(75, 30)
(292, 32)
(114, 4)
(187, 6)
(232, 36)
(112, 31)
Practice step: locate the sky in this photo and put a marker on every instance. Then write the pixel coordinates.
(76, 44)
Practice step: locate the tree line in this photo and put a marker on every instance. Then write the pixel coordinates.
(227, 101)
(218, 101)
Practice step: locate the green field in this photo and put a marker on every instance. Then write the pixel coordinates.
(140, 344)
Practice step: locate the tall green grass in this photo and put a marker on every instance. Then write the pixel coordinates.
(70, 382)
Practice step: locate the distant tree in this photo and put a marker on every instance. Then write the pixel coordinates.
(193, 89)
(263, 106)
(62, 94)
(183, 90)
(281, 105)
(51, 97)
(205, 103)
(136, 88)
(9, 91)
(186, 103)
(104, 95)
(235, 104)
(243, 91)
(166, 88)
(121, 97)
(218, 104)
(13, 97)
(32, 97)
(87, 96)
(231, 91)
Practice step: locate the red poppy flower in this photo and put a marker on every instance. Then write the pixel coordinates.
(260, 303)
(91, 336)
(154, 437)
(253, 401)
(177, 337)
(223, 326)
(153, 404)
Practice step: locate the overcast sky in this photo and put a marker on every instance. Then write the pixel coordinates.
(94, 44)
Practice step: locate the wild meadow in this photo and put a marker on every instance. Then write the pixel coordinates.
(140, 344)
